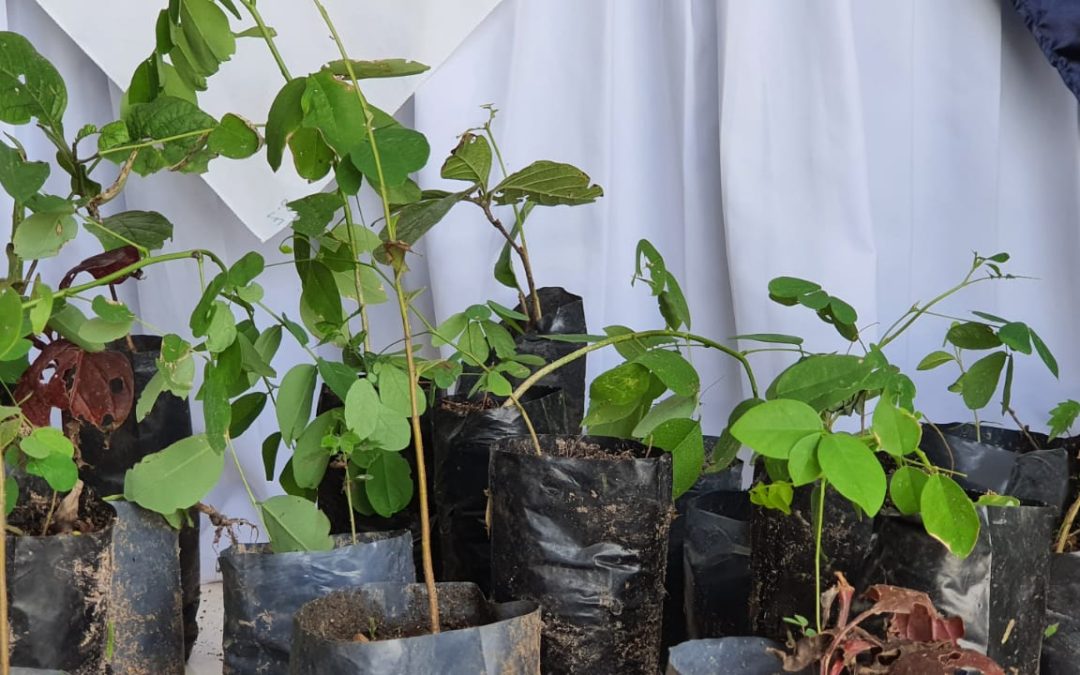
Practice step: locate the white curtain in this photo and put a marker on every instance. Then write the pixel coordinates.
(868, 146)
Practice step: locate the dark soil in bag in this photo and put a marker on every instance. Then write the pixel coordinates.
(782, 557)
(262, 590)
(145, 601)
(58, 584)
(999, 590)
(1001, 460)
(583, 531)
(741, 655)
(729, 479)
(464, 431)
(333, 502)
(107, 457)
(562, 313)
(1061, 651)
(716, 564)
(385, 628)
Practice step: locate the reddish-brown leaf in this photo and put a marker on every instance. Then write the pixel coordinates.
(97, 388)
(105, 263)
(941, 658)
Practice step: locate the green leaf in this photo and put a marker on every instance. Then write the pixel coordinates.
(1016, 336)
(948, 515)
(549, 184)
(449, 330)
(727, 446)
(673, 370)
(312, 157)
(997, 501)
(176, 477)
(673, 407)
(39, 313)
(11, 495)
(20, 179)
(414, 220)
(392, 431)
(42, 235)
(338, 376)
(294, 400)
(245, 410)
(851, 467)
(897, 431)
(45, 441)
(310, 457)
(11, 320)
(59, 472)
(842, 312)
(314, 212)
(221, 331)
(68, 321)
(285, 117)
(822, 381)
(234, 137)
(148, 229)
(978, 384)
(803, 463)
(682, 438)
(469, 161)
(1044, 353)
(361, 408)
(773, 496)
(972, 335)
(319, 294)
(394, 390)
(270, 447)
(295, 524)
(30, 87)
(363, 70)
(153, 388)
(217, 414)
(990, 317)
(1051, 630)
(167, 117)
(935, 359)
(791, 287)
(622, 385)
(772, 428)
(204, 24)
(390, 487)
(401, 152)
(1062, 417)
(906, 488)
(774, 338)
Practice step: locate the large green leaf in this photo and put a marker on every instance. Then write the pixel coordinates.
(294, 400)
(851, 468)
(548, 183)
(973, 335)
(978, 384)
(673, 407)
(803, 463)
(469, 161)
(935, 359)
(772, 428)
(362, 408)
(285, 117)
(1017, 336)
(11, 319)
(332, 107)
(682, 438)
(394, 390)
(389, 487)
(673, 370)
(948, 515)
(21, 179)
(1044, 353)
(295, 524)
(337, 376)
(905, 489)
(166, 117)
(392, 431)
(363, 70)
(30, 87)
(319, 294)
(822, 381)
(176, 477)
(234, 138)
(314, 212)
(401, 152)
(310, 457)
(148, 229)
(414, 220)
(61, 473)
(245, 410)
(206, 25)
(898, 432)
(42, 235)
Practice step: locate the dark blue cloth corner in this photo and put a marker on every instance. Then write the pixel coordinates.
(1056, 27)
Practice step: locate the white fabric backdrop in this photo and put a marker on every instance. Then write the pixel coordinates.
(868, 146)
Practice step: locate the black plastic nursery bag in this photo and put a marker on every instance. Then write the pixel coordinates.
(716, 564)
(742, 655)
(262, 590)
(582, 530)
(477, 638)
(1061, 651)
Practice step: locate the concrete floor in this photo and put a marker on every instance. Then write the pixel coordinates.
(206, 657)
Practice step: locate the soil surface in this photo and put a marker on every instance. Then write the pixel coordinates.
(463, 407)
(36, 507)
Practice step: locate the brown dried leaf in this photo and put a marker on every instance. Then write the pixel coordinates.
(941, 658)
(97, 388)
(105, 263)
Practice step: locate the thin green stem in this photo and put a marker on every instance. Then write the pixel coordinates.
(616, 339)
(249, 5)
(915, 312)
(364, 325)
(153, 141)
(819, 519)
(5, 657)
(284, 324)
(347, 484)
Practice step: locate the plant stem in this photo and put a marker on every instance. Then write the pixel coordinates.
(5, 657)
(348, 498)
(399, 269)
(249, 5)
(1066, 526)
(915, 312)
(616, 339)
(819, 519)
(153, 141)
(356, 272)
(522, 253)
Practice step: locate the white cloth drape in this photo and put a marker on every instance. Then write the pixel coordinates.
(868, 146)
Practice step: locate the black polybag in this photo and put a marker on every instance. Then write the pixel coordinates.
(262, 590)
(562, 313)
(741, 655)
(1002, 460)
(58, 597)
(107, 457)
(462, 440)
(1061, 651)
(582, 530)
(478, 637)
(145, 604)
(729, 479)
(716, 563)
(782, 555)
(999, 590)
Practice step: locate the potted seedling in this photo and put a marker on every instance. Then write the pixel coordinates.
(793, 430)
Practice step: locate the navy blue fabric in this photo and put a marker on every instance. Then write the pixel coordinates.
(1056, 27)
